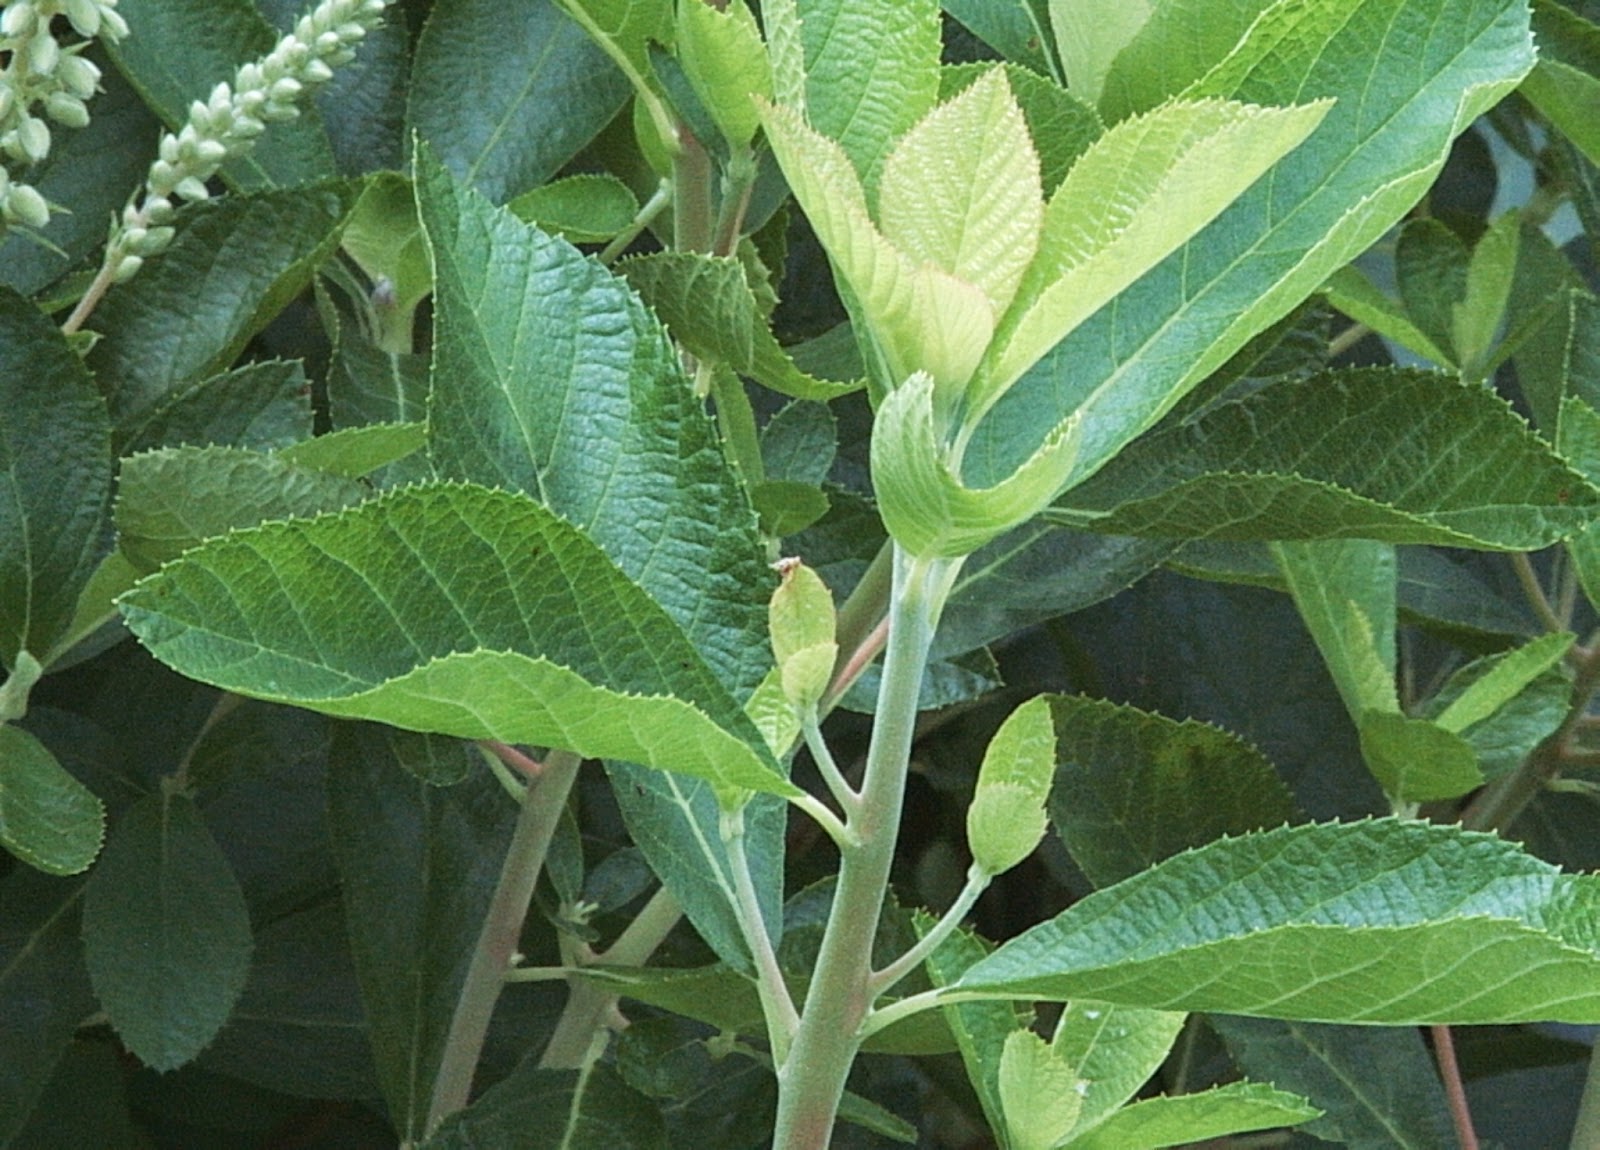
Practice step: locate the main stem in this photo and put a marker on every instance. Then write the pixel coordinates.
(502, 928)
(811, 1080)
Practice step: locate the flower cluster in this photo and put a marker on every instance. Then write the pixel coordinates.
(225, 126)
(43, 81)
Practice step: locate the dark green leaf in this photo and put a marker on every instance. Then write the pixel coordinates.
(178, 50)
(787, 508)
(1179, 42)
(85, 1103)
(535, 1109)
(1565, 85)
(246, 256)
(582, 209)
(433, 759)
(1173, 1120)
(1406, 79)
(537, 87)
(260, 406)
(418, 864)
(367, 384)
(1350, 454)
(171, 499)
(1018, 29)
(166, 932)
(799, 442)
(357, 451)
(55, 480)
(1378, 1085)
(48, 819)
(1431, 270)
(1133, 788)
(44, 989)
(1380, 922)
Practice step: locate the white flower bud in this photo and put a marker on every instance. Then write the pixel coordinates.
(43, 53)
(84, 16)
(245, 128)
(286, 90)
(147, 242)
(68, 111)
(33, 137)
(191, 188)
(127, 269)
(17, 20)
(112, 26)
(316, 72)
(78, 76)
(8, 100)
(163, 175)
(211, 152)
(158, 209)
(169, 150)
(24, 205)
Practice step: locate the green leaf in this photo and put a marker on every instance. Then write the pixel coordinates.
(1415, 760)
(1477, 318)
(538, 87)
(55, 480)
(367, 384)
(629, 26)
(48, 819)
(1178, 1120)
(260, 405)
(1139, 193)
(1431, 272)
(582, 209)
(171, 499)
(727, 63)
(871, 71)
(1345, 592)
(787, 508)
(513, 305)
(166, 932)
(961, 190)
(1135, 788)
(1115, 1049)
(1090, 33)
(418, 865)
(534, 1109)
(1379, 1086)
(250, 255)
(1378, 922)
(176, 51)
(1177, 43)
(1504, 739)
(1405, 80)
(1349, 454)
(1349, 290)
(1017, 29)
(385, 240)
(1504, 680)
(44, 989)
(708, 305)
(357, 451)
(1060, 125)
(1565, 85)
(456, 610)
(924, 503)
(799, 443)
(1038, 1092)
(85, 1104)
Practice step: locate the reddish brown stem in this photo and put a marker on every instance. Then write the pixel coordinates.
(1444, 1050)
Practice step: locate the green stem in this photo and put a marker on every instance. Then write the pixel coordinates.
(1586, 1131)
(811, 1080)
(1531, 587)
(977, 882)
(542, 808)
(590, 1004)
(653, 207)
(859, 617)
(777, 1007)
(691, 206)
(737, 422)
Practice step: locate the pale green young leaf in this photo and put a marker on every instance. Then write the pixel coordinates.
(780, 20)
(1477, 317)
(166, 932)
(1405, 80)
(48, 819)
(456, 610)
(1379, 1085)
(1060, 125)
(871, 71)
(1090, 33)
(1506, 679)
(1139, 193)
(590, 207)
(538, 86)
(1505, 738)
(384, 238)
(926, 506)
(1349, 290)
(1347, 454)
(55, 480)
(1415, 760)
(961, 190)
(1345, 591)
(1038, 1092)
(923, 318)
(171, 499)
(727, 63)
(1115, 1049)
(1385, 921)
(177, 50)
(708, 305)
(356, 451)
(1134, 788)
(1006, 820)
(1178, 1120)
